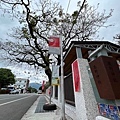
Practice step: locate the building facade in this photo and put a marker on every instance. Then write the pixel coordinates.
(22, 84)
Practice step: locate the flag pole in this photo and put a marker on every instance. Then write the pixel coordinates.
(62, 82)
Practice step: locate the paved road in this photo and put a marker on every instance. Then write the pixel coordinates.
(13, 107)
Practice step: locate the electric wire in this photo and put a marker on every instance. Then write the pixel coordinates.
(68, 6)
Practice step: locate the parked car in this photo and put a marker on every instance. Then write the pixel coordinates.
(39, 92)
(4, 89)
(14, 91)
(11, 88)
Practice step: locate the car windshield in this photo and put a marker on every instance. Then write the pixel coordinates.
(11, 88)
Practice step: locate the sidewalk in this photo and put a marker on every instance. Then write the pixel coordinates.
(31, 115)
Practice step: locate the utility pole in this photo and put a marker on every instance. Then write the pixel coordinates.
(62, 82)
(56, 42)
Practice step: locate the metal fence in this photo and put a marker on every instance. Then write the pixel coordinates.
(69, 91)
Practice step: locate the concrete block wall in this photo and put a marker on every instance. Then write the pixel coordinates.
(85, 103)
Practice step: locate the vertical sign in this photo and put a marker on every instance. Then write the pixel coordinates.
(43, 85)
(54, 45)
(76, 75)
(27, 84)
(55, 75)
(106, 75)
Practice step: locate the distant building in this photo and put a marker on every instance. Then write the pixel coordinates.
(22, 84)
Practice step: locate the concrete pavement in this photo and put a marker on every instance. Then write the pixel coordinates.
(51, 115)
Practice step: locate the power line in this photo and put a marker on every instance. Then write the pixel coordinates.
(68, 6)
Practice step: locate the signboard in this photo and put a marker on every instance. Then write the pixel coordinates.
(109, 111)
(76, 75)
(54, 45)
(55, 81)
(55, 75)
(106, 75)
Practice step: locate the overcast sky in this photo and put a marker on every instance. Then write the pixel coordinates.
(6, 23)
(107, 33)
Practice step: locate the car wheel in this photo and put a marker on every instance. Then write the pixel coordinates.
(49, 107)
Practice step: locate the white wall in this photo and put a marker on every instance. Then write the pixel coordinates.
(85, 102)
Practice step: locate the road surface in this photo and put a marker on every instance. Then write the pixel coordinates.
(13, 107)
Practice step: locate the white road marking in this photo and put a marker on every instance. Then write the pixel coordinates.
(6, 98)
(14, 100)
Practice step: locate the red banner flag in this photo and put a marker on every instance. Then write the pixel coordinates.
(54, 45)
(43, 85)
(76, 75)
